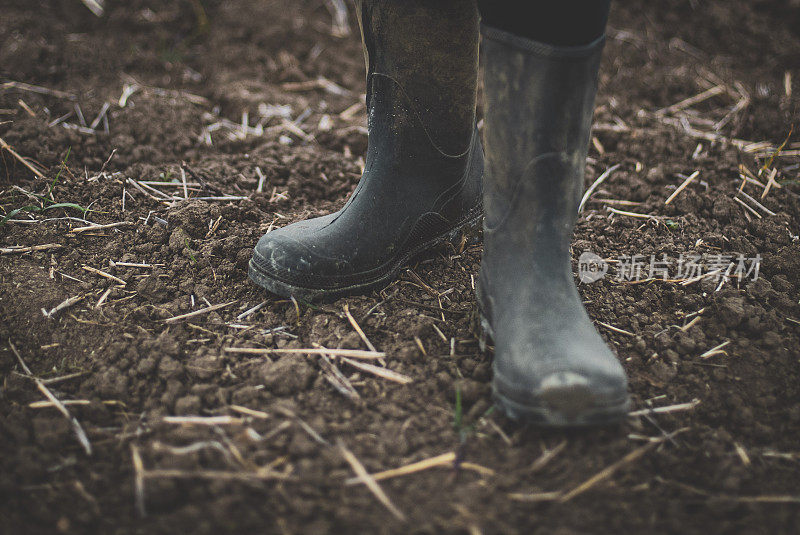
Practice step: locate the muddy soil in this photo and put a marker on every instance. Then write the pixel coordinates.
(180, 79)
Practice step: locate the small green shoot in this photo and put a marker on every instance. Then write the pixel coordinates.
(33, 208)
(458, 416)
(190, 250)
(200, 18)
(60, 170)
(465, 431)
(66, 205)
(12, 213)
(309, 305)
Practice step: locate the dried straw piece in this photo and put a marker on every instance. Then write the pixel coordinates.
(108, 276)
(66, 303)
(615, 329)
(252, 310)
(547, 456)
(683, 185)
(351, 353)
(609, 471)
(94, 6)
(336, 378)
(31, 249)
(138, 480)
(385, 373)
(22, 160)
(716, 350)
(78, 230)
(36, 89)
(198, 312)
(369, 481)
(419, 466)
(669, 408)
(756, 203)
(360, 332)
(261, 475)
(76, 426)
(631, 214)
(249, 412)
(691, 101)
(595, 185)
(202, 420)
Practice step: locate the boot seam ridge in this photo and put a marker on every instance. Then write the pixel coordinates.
(410, 105)
(455, 189)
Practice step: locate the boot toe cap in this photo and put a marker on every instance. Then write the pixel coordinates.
(280, 254)
(299, 260)
(564, 397)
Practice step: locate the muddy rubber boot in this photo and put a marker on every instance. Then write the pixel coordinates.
(551, 366)
(421, 185)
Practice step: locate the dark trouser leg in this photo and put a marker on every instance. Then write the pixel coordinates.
(561, 22)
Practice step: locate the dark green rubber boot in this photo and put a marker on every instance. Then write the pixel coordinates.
(551, 366)
(422, 181)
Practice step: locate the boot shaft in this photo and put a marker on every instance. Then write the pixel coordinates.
(426, 52)
(539, 101)
(550, 364)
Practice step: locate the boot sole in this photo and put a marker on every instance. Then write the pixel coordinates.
(579, 415)
(275, 286)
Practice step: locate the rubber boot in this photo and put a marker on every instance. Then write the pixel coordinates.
(421, 184)
(551, 366)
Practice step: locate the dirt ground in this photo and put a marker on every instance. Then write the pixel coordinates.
(181, 78)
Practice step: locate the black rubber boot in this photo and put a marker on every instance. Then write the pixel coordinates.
(422, 181)
(550, 365)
